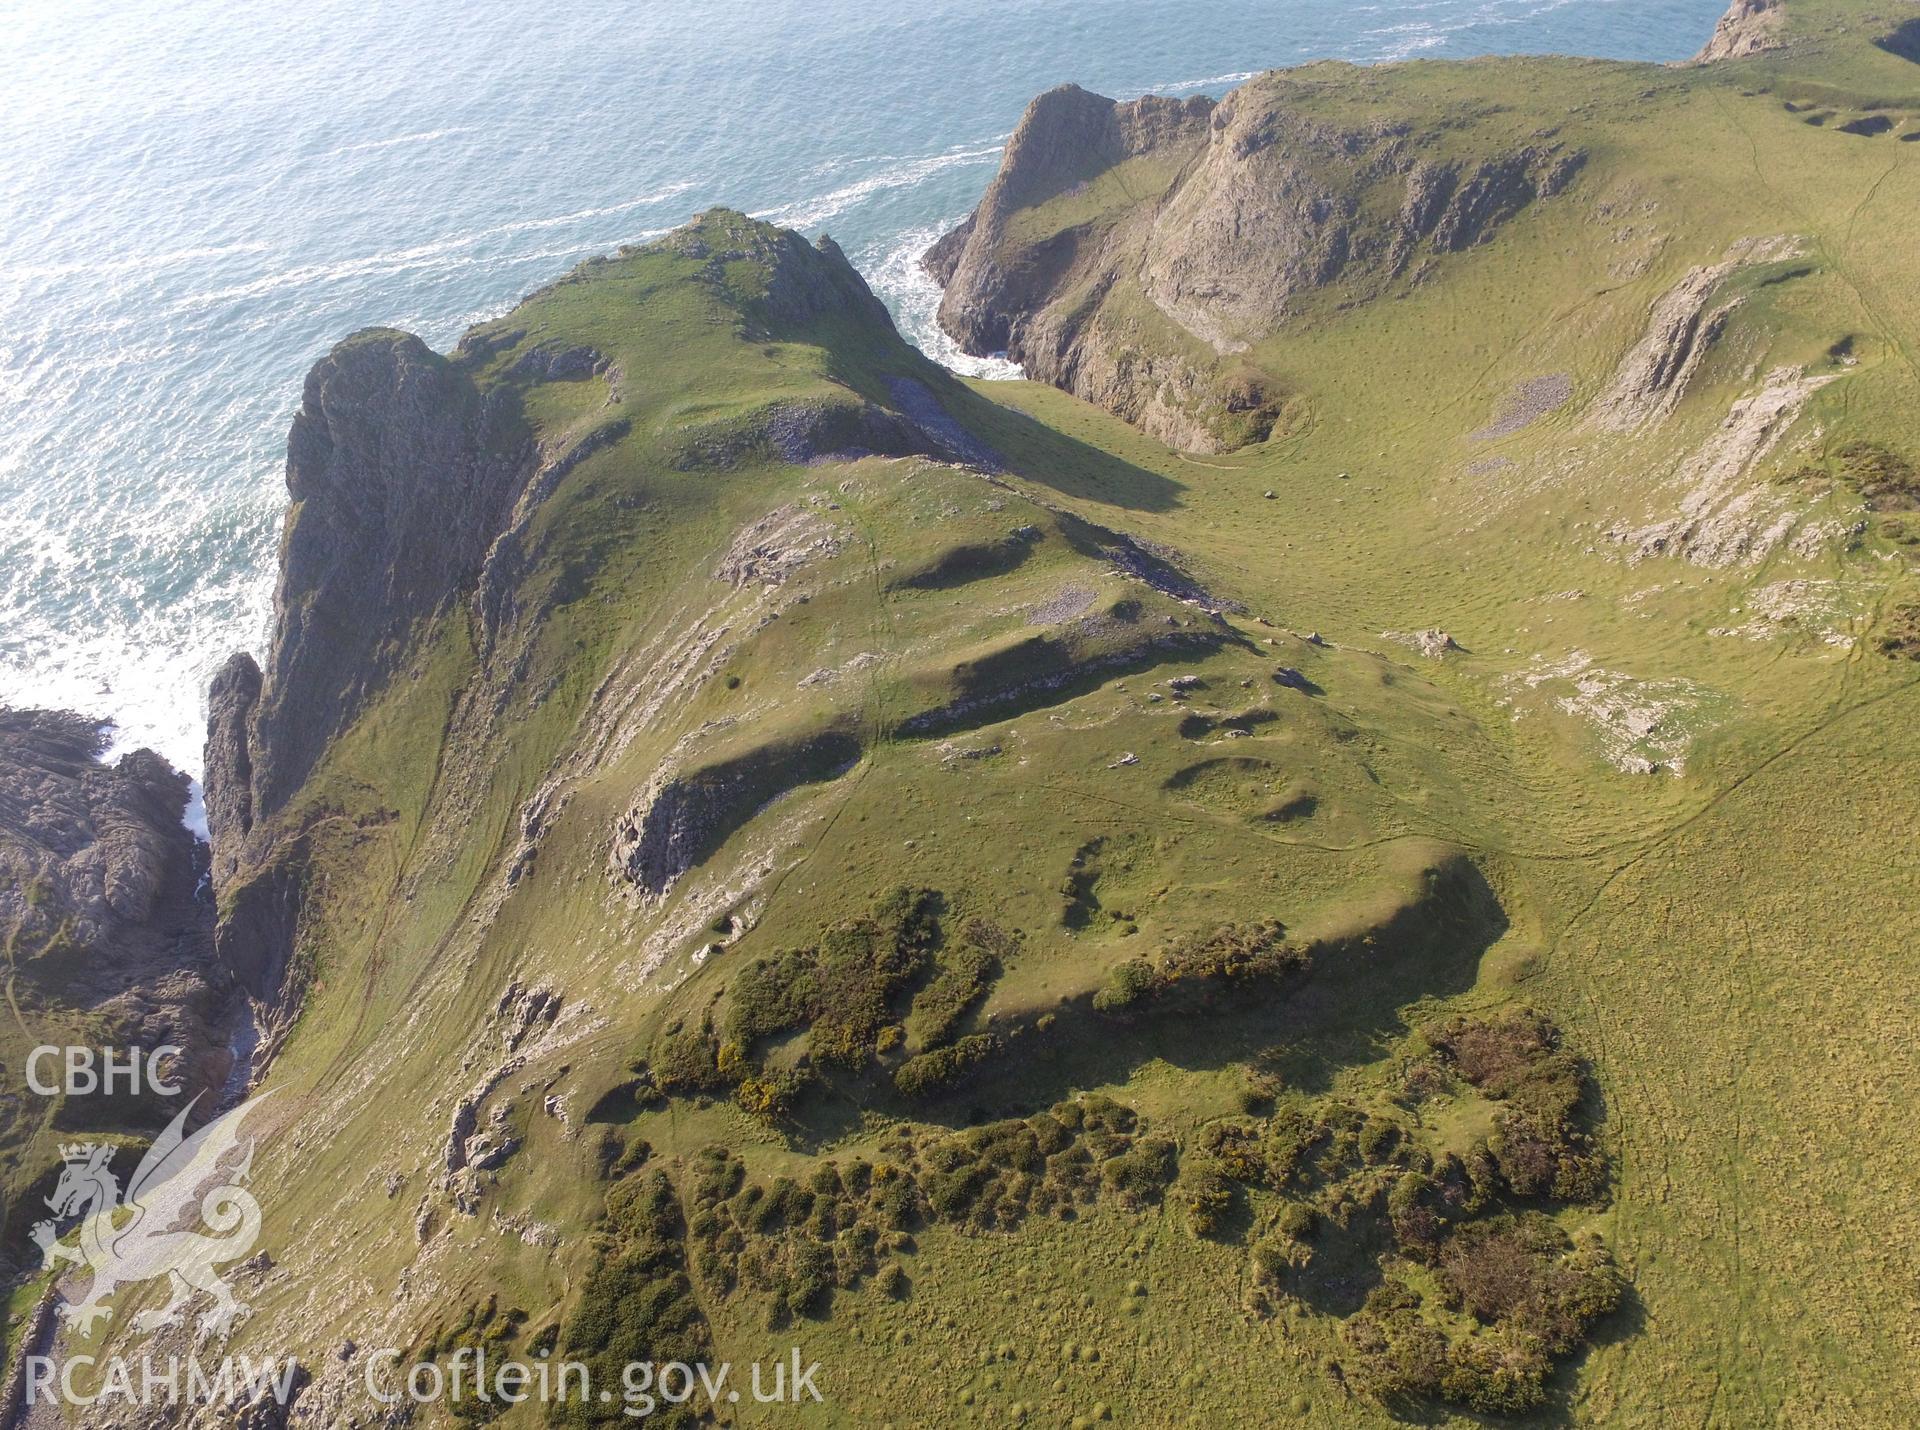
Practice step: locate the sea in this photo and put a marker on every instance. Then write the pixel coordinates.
(197, 197)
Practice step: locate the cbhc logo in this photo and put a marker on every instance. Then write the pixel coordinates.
(90, 1070)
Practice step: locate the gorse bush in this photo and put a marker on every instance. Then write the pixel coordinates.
(863, 964)
(1231, 953)
(1538, 1147)
(1206, 1194)
(843, 994)
(638, 1303)
(945, 1069)
(966, 972)
(771, 996)
(687, 1059)
(1128, 983)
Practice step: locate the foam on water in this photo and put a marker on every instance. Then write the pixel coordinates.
(894, 271)
(889, 173)
(196, 200)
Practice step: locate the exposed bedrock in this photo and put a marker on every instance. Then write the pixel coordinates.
(106, 920)
(1239, 212)
(682, 817)
(1066, 137)
(1750, 27)
(400, 473)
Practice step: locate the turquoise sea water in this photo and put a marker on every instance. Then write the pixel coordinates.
(198, 196)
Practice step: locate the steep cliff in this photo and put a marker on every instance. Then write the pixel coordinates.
(1067, 139)
(1131, 253)
(1750, 27)
(399, 473)
(107, 932)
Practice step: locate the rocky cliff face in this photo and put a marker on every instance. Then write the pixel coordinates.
(227, 764)
(106, 922)
(1282, 204)
(1237, 218)
(1067, 137)
(95, 854)
(400, 473)
(1750, 27)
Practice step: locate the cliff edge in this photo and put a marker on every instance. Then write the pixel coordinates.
(1135, 253)
(108, 933)
(1750, 27)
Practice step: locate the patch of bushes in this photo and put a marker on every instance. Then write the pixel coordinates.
(796, 1244)
(1523, 1270)
(1297, 1222)
(843, 993)
(639, 1302)
(1295, 1136)
(1235, 1148)
(1139, 1174)
(1899, 531)
(863, 964)
(1538, 1145)
(770, 1093)
(1522, 1294)
(482, 1328)
(771, 996)
(1515, 1292)
(1397, 1353)
(944, 1069)
(687, 1059)
(1129, 982)
(1878, 473)
(1231, 953)
(966, 972)
(1205, 1193)
(999, 1174)
(1415, 1217)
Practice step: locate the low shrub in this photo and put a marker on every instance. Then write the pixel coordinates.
(1140, 1174)
(638, 1302)
(965, 974)
(944, 1069)
(773, 995)
(1497, 1372)
(1128, 983)
(1205, 1193)
(1234, 952)
(770, 1094)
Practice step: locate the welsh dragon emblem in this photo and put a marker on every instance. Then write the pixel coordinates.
(150, 1233)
